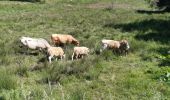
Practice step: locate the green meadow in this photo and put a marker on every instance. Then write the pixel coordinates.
(141, 75)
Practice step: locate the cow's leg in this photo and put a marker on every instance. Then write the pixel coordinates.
(120, 52)
(114, 51)
(27, 51)
(77, 56)
(87, 54)
(126, 52)
(72, 57)
(49, 58)
(64, 56)
(39, 50)
(56, 58)
(63, 45)
(61, 57)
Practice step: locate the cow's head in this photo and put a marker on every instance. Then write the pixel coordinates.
(124, 44)
(77, 43)
(23, 40)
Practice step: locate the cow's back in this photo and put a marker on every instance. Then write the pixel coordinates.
(63, 38)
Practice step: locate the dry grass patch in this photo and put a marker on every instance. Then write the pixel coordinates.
(14, 3)
(107, 5)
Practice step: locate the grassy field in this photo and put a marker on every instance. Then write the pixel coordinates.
(141, 75)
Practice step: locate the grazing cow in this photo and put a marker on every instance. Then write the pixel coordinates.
(55, 52)
(80, 52)
(61, 39)
(124, 47)
(34, 43)
(119, 46)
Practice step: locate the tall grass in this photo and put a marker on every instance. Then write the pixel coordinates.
(7, 81)
(42, 1)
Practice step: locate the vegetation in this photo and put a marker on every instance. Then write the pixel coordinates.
(142, 74)
(41, 1)
(161, 4)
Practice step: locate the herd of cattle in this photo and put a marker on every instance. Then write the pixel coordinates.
(121, 47)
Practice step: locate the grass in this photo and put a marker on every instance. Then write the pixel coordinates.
(139, 75)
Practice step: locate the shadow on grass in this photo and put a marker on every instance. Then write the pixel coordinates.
(152, 29)
(165, 52)
(153, 12)
(160, 29)
(43, 59)
(29, 53)
(21, 49)
(2, 98)
(165, 62)
(26, 0)
(160, 37)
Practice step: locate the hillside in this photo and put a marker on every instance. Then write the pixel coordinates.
(142, 74)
